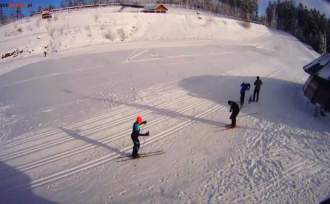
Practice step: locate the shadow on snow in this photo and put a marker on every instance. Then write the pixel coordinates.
(17, 189)
(77, 136)
(279, 102)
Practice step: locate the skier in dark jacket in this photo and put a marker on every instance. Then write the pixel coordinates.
(244, 87)
(135, 135)
(234, 109)
(257, 85)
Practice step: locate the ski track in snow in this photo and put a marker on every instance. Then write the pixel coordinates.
(101, 124)
(25, 151)
(106, 140)
(271, 158)
(260, 170)
(269, 162)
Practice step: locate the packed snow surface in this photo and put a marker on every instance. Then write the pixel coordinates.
(66, 118)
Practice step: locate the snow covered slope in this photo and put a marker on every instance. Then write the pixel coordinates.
(66, 118)
(74, 29)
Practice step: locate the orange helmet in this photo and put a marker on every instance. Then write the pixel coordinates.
(139, 119)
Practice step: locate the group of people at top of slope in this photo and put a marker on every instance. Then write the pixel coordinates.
(234, 108)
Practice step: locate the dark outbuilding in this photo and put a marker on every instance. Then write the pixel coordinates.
(317, 87)
(45, 14)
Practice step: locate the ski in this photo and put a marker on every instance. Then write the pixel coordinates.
(247, 114)
(228, 127)
(142, 155)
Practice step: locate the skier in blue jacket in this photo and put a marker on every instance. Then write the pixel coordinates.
(244, 87)
(135, 135)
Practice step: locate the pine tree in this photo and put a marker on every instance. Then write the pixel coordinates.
(2, 17)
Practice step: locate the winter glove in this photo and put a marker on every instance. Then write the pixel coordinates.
(144, 122)
(147, 134)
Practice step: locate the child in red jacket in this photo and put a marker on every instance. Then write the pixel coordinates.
(135, 135)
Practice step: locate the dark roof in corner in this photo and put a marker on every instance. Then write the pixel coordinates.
(319, 67)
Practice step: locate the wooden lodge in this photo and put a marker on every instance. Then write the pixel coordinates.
(317, 87)
(160, 8)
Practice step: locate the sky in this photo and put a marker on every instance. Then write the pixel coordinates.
(262, 6)
(322, 5)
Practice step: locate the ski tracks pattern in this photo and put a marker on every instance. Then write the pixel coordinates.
(275, 163)
(171, 102)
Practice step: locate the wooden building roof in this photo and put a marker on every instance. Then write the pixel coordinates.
(155, 7)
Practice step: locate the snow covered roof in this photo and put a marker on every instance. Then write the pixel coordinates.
(320, 67)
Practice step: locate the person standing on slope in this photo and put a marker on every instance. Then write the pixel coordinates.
(257, 85)
(234, 109)
(135, 135)
(244, 87)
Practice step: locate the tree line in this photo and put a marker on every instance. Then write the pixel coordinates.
(308, 25)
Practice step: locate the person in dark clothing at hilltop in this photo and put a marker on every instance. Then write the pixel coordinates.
(135, 135)
(244, 87)
(257, 85)
(234, 109)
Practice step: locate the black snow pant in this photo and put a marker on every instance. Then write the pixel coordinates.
(242, 98)
(233, 120)
(256, 95)
(136, 147)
